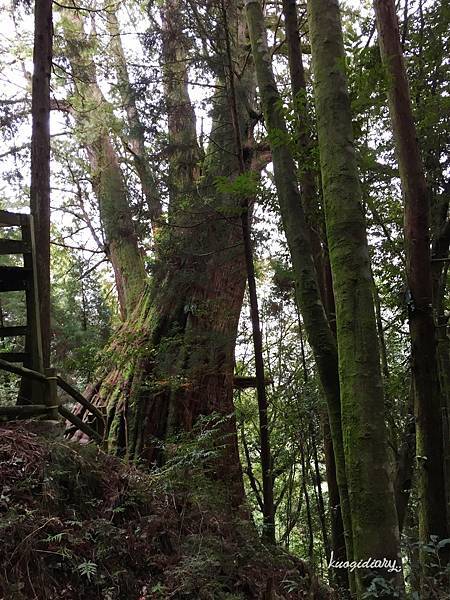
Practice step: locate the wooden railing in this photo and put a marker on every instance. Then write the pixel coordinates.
(52, 408)
(22, 278)
(42, 391)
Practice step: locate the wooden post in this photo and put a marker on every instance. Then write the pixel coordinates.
(40, 161)
(33, 343)
(51, 397)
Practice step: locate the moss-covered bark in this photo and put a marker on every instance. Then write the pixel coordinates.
(94, 120)
(174, 358)
(297, 232)
(425, 372)
(374, 519)
(304, 144)
(307, 178)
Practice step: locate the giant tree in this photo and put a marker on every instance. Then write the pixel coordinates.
(173, 358)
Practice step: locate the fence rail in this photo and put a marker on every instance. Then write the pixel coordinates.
(51, 381)
(40, 384)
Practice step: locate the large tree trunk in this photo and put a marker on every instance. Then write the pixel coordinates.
(94, 120)
(40, 160)
(428, 399)
(373, 513)
(319, 334)
(173, 360)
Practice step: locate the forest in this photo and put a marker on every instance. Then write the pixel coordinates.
(224, 299)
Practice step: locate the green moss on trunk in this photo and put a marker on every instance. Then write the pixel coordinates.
(374, 519)
(296, 228)
(173, 360)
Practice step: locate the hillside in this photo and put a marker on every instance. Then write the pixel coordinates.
(77, 523)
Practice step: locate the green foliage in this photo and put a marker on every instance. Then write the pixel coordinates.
(243, 186)
(380, 588)
(278, 138)
(81, 316)
(190, 457)
(87, 569)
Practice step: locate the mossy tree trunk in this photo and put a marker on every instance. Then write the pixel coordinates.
(307, 178)
(94, 119)
(373, 513)
(425, 371)
(304, 143)
(173, 360)
(297, 232)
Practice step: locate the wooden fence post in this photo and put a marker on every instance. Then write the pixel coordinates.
(51, 396)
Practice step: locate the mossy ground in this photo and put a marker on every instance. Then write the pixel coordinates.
(79, 524)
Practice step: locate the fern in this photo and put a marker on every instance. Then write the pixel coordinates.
(87, 569)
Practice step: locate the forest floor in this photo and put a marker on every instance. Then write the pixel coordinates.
(76, 523)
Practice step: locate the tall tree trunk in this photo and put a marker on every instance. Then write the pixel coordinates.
(40, 159)
(428, 398)
(135, 140)
(320, 502)
(374, 518)
(264, 432)
(440, 272)
(307, 178)
(295, 226)
(306, 174)
(94, 119)
(305, 473)
(173, 360)
(444, 373)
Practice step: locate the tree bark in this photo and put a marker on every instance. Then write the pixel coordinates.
(374, 518)
(173, 360)
(40, 160)
(428, 398)
(94, 119)
(306, 174)
(319, 334)
(307, 178)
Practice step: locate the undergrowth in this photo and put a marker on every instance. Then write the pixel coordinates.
(79, 524)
